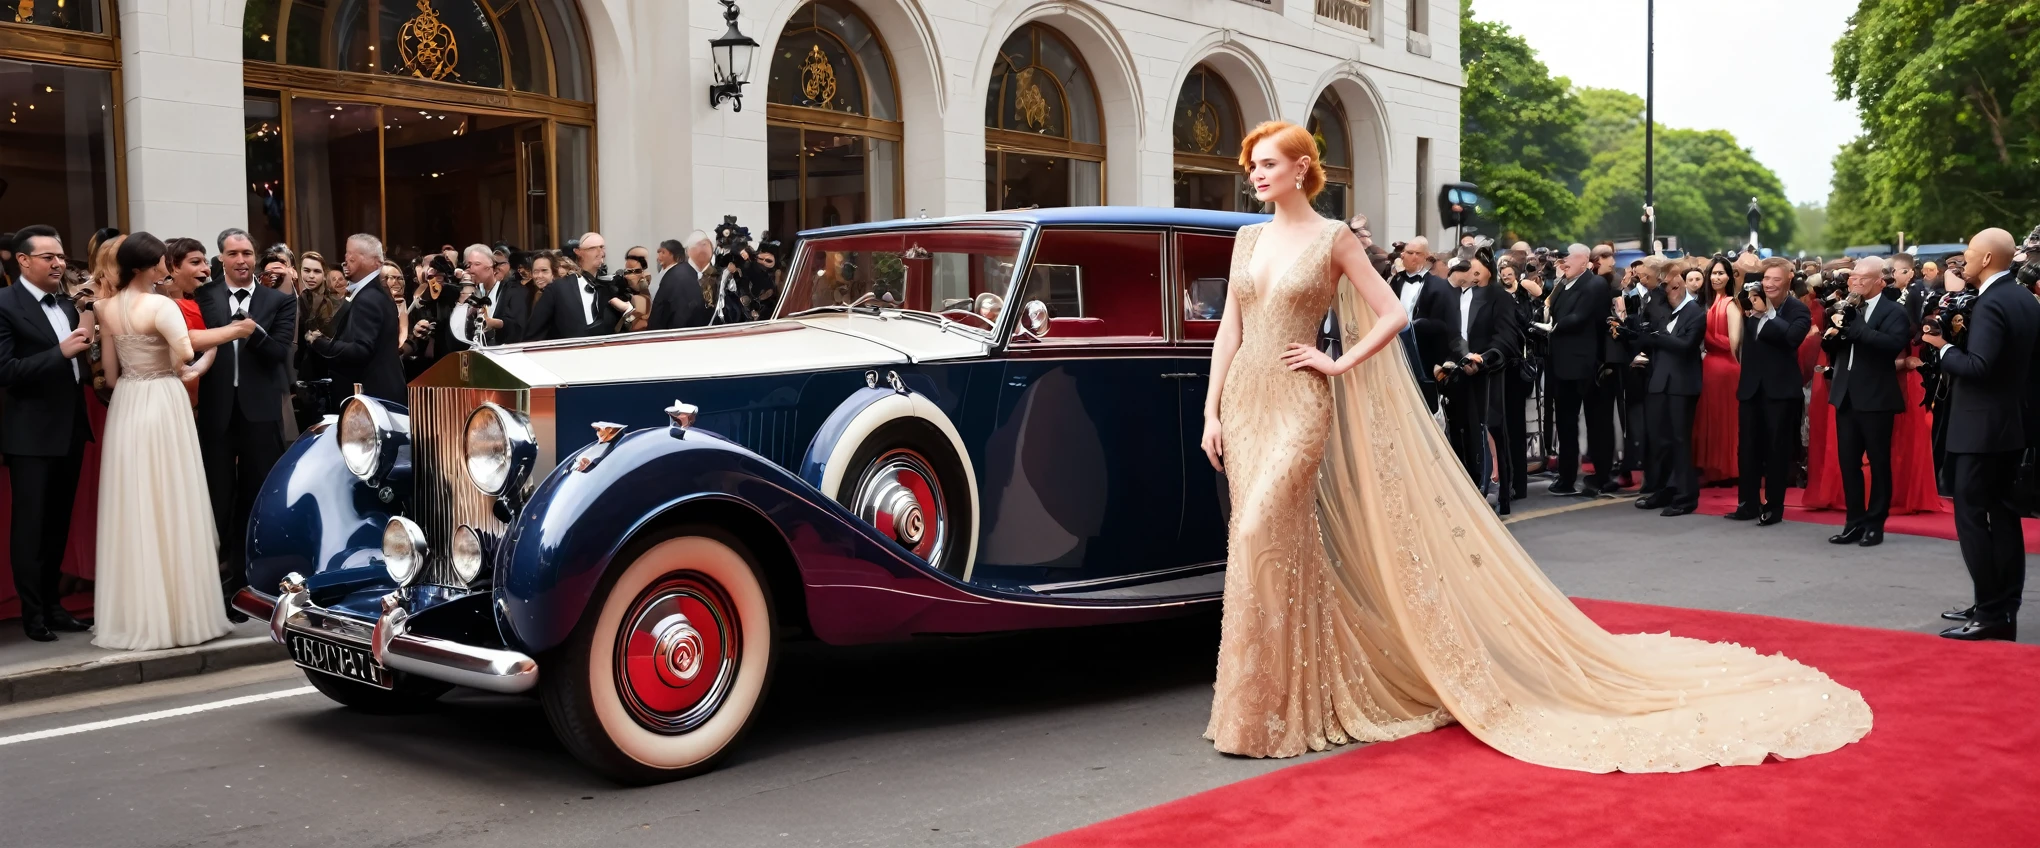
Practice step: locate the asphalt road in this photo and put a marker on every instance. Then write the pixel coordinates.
(991, 741)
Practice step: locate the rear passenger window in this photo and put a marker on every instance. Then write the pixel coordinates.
(1203, 265)
(1098, 286)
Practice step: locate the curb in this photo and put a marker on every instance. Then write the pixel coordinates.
(139, 667)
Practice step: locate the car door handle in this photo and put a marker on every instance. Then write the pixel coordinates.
(1182, 375)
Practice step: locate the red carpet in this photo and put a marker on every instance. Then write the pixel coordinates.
(1954, 760)
(1720, 500)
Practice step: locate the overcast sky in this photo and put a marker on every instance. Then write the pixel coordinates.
(1757, 68)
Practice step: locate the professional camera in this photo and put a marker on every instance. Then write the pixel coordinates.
(1753, 296)
(1951, 321)
(732, 243)
(2026, 260)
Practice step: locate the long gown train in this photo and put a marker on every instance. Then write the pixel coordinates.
(158, 583)
(1371, 593)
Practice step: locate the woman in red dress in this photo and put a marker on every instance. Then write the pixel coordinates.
(188, 270)
(1714, 426)
(1823, 470)
(1912, 440)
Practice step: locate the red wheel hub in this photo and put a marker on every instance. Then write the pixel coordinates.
(677, 653)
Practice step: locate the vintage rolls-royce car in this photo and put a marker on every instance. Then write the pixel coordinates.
(959, 425)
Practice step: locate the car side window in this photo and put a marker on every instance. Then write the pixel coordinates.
(1097, 286)
(1203, 269)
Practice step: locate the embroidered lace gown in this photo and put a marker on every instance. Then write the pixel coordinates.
(158, 581)
(1371, 593)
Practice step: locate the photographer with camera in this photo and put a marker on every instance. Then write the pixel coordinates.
(1433, 307)
(488, 311)
(1579, 308)
(1668, 333)
(1771, 402)
(1487, 330)
(576, 304)
(746, 288)
(1989, 370)
(1631, 366)
(1865, 334)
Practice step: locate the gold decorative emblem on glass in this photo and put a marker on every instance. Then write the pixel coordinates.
(818, 77)
(1029, 105)
(426, 45)
(24, 12)
(1204, 126)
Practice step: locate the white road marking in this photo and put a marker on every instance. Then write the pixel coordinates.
(160, 714)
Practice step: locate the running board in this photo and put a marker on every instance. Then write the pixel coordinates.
(1203, 579)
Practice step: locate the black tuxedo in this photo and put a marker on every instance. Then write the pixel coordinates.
(1434, 321)
(1771, 405)
(1672, 394)
(1579, 324)
(363, 347)
(1490, 332)
(678, 303)
(558, 314)
(1863, 387)
(513, 308)
(240, 405)
(1986, 433)
(43, 431)
(1633, 384)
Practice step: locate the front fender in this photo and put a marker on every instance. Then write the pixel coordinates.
(577, 522)
(316, 518)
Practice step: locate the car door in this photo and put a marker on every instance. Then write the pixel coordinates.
(1084, 476)
(1202, 262)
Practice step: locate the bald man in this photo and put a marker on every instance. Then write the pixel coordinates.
(1987, 433)
(576, 305)
(1863, 388)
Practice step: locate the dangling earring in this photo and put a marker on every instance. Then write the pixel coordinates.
(1299, 182)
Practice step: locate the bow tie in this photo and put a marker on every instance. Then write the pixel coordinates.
(588, 287)
(49, 301)
(240, 295)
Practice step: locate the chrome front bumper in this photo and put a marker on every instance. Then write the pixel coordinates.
(390, 641)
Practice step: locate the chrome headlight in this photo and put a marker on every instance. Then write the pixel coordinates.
(403, 550)
(368, 437)
(466, 553)
(499, 449)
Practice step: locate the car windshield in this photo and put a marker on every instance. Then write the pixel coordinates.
(935, 270)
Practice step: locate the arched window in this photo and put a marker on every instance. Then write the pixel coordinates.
(1044, 139)
(60, 143)
(1335, 151)
(430, 122)
(1207, 139)
(832, 140)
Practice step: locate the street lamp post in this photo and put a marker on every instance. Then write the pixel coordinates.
(1756, 216)
(1650, 126)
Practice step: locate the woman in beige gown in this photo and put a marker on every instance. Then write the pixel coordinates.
(1371, 593)
(157, 584)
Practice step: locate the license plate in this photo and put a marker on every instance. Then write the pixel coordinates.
(336, 659)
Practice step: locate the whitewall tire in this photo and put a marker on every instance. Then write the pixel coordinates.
(670, 663)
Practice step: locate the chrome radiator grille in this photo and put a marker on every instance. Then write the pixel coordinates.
(442, 498)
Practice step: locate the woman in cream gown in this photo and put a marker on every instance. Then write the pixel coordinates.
(1371, 593)
(157, 584)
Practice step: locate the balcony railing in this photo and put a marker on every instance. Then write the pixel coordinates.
(1352, 13)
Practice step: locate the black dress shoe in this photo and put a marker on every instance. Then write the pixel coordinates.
(62, 621)
(1589, 490)
(1519, 494)
(1872, 538)
(1770, 518)
(37, 631)
(1975, 631)
(1848, 536)
(1561, 490)
(1963, 614)
(1741, 515)
(1675, 510)
(1655, 500)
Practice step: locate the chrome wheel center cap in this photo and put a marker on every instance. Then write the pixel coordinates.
(677, 650)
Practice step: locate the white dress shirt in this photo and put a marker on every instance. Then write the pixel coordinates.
(585, 287)
(59, 322)
(1676, 312)
(355, 286)
(459, 316)
(1413, 288)
(1465, 310)
(238, 298)
(1869, 306)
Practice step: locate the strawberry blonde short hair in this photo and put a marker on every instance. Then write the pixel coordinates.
(1292, 141)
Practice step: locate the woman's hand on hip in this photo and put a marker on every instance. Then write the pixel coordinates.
(1214, 443)
(1299, 356)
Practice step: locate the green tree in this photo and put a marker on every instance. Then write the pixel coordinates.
(1612, 116)
(1949, 93)
(1518, 135)
(1810, 232)
(1704, 184)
